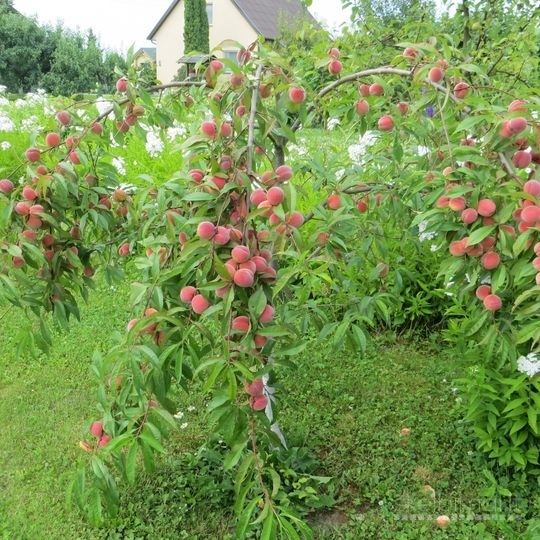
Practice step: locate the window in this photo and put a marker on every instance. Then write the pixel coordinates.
(230, 55)
(210, 13)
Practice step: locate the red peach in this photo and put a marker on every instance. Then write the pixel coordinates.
(6, 186)
(225, 130)
(241, 324)
(376, 89)
(260, 341)
(244, 277)
(255, 388)
(490, 260)
(442, 521)
(482, 291)
(436, 74)
(461, 89)
(296, 219)
(385, 123)
(267, 316)
(458, 204)
(196, 175)
(522, 159)
(362, 107)
(531, 214)
(222, 236)
(96, 128)
(518, 105)
(486, 207)
(206, 230)
(410, 53)
(199, 304)
(333, 52)
(209, 129)
(258, 403)
(63, 117)
(492, 302)
(240, 254)
(284, 172)
(275, 196)
(34, 222)
(104, 440)
(335, 67)
(96, 429)
(364, 90)
(517, 125)
(187, 293)
(532, 187)
(22, 208)
(403, 107)
(52, 139)
(18, 261)
(121, 84)
(30, 194)
(469, 215)
(297, 94)
(33, 155)
(257, 196)
(536, 263)
(333, 201)
(124, 250)
(458, 248)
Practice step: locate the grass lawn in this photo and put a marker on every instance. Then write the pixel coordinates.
(348, 411)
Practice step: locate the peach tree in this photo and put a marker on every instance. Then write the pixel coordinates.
(238, 255)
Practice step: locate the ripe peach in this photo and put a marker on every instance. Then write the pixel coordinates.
(284, 172)
(199, 304)
(258, 403)
(376, 89)
(30, 194)
(518, 105)
(469, 215)
(532, 187)
(241, 324)
(522, 159)
(222, 236)
(364, 90)
(73, 156)
(517, 125)
(243, 56)
(209, 129)
(403, 107)
(486, 207)
(96, 128)
(52, 139)
(531, 214)
(187, 293)
(96, 429)
(124, 250)
(267, 316)
(6, 186)
(296, 219)
(461, 89)
(240, 110)
(18, 261)
(275, 196)
(121, 84)
(458, 248)
(63, 117)
(362, 107)
(297, 94)
(255, 388)
(385, 123)
(333, 52)
(490, 260)
(244, 277)
(334, 201)
(482, 291)
(260, 341)
(436, 74)
(206, 230)
(104, 440)
(240, 254)
(34, 222)
(335, 67)
(410, 53)
(536, 263)
(22, 208)
(492, 302)
(458, 204)
(442, 521)
(257, 196)
(33, 155)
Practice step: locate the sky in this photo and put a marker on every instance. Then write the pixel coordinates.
(122, 23)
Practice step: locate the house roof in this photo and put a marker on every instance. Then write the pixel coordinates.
(265, 16)
(149, 51)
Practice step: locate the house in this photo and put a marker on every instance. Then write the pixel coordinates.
(231, 22)
(145, 55)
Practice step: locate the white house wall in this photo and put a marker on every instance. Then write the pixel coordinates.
(228, 26)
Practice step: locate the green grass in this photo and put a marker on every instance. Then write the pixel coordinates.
(347, 411)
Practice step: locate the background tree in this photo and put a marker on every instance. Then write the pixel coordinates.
(196, 30)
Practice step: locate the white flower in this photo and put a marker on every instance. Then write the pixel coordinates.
(119, 165)
(530, 364)
(2, 88)
(20, 103)
(184, 425)
(5, 145)
(333, 122)
(4, 101)
(176, 131)
(422, 150)
(6, 124)
(191, 408)
(179, 415)
(357, 151)
(103, 106)
(154, 143)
